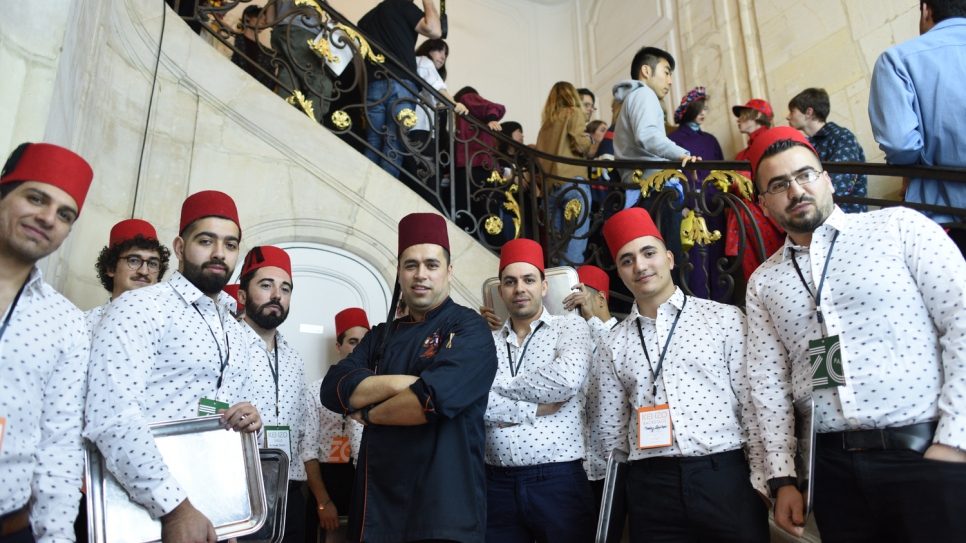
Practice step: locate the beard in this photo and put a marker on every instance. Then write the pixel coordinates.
(809, 222)
(204, 280)
(265, 321)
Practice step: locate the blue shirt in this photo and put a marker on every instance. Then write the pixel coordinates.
(835, 143)
(917, 104)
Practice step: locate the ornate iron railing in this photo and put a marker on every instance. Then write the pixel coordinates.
(491, 186)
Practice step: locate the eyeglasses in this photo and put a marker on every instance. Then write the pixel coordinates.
(590, 106)
(779, 187)
(134, 262)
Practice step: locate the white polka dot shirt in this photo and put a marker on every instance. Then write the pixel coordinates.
(554, 369)
(43, 380)
(153, 357)
(93, 317)
(703, 380)
(292, 393)
(323, 425)
(895, 294)
(594, 464)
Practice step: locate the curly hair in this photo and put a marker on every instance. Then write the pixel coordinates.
(109, 257)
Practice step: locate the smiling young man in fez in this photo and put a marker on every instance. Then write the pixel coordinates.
(131, 240)
(890, 460)
(43, 348)
(420, 471)
(672, 391)
(159, 351)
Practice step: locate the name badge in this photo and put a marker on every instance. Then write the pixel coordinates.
(279, 437)
(825, 361)
(208, 407)
(654, 427)
(3, 426)
(339, 450)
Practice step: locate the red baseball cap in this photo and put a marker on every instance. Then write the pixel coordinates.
(265, 256)
(756, 104)
(56, 166)
(208, 203)
(629, 225)
(595, 278)
(129, 229)
(768, 138)
(350, 318)
(521, 250)
(418, 228)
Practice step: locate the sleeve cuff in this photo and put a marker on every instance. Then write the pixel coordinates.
(491, 118)
(779, 465)
(422, 393)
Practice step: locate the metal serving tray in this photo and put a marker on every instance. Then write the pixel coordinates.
(218, 469)
(613, 506)
(560, 280)
(275, 476)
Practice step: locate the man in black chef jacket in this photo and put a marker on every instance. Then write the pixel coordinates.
(420, 474)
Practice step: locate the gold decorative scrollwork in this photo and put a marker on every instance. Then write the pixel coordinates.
(725, 179)
(407, 117)
(494, 225)
(341, 120)
(299, 99)
(656, 181)
(694, 230)
(572, 210)
(495, 177)
(321, 48)
(513, 206)
(312, 4)
(364, 48)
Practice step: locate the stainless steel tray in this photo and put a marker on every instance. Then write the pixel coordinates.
(218, 469)
(275, 476)
(560, 281)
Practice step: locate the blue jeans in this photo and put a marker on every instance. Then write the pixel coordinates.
(546, 503)
(382, 130)
(572, 252)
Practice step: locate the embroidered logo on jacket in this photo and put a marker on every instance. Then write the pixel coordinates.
(430, 346)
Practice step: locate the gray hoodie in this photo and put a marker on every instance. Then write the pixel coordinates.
(639, 132)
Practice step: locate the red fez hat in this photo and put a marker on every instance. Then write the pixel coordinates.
(264, 256)
(595, 278)
(232, 290)
(54, 165)
(208, 203)
(628, 225)
(769, 137)
(131, 228)
(521, 250)
(350, 318)
(417, 228)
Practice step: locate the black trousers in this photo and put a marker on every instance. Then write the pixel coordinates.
(884, 496)
(695, 499)
(23, 536)
(295, 514)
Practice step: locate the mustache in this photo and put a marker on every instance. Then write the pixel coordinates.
(798, 201)
(271, 304)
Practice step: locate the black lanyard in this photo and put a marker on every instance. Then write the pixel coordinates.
(657, 373)
(274, 375)
(514, 372)
(817, 296)
(223, 361)
(6, 321)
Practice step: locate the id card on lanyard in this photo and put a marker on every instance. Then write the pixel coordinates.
(654, 426)
(824, 353)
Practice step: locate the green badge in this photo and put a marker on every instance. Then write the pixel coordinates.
(279, 437)
(211, 407)
(825, 360)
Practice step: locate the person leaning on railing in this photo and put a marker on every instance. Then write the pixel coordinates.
(563, 133)
(299, 68)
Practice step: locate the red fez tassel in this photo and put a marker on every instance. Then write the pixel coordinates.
(208, 203)
(264, 256)
(418, 228)
(56, 166)
(768, 138)
(521, 250)
(350, 318)
(595, 278)
(131, 228)
(232, 290)
(628, 225)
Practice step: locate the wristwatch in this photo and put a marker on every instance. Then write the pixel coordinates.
(778, 482)
(323, 504)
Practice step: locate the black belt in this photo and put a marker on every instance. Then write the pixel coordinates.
(915, 437)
